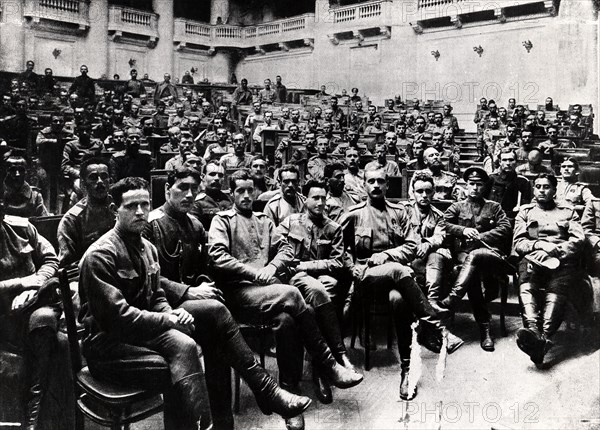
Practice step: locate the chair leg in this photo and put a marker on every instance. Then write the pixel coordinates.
(367, 332)
(503, 300)
(236, 393)
(390, 329)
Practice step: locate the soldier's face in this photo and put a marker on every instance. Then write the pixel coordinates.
(186, 146)
(543, 190)
(322, 147)
(376, 184)
(222, 135)
(97, 181)
(568, 170)
(315, 201)
(239, 144)
(371, 110)
(132, 215)
(437, 141)
(439, 119)
(182, 193)
(433, 158)
(381, 151)
(214, 177)
(475, 188)
(352, 158)
(289, 184)
(294, 133)
(390, 139)
(133, 142)
(15, 172)
(258, 169)
(243, 194)
(423, 192)
(508, 162)
(420, 123)
(295, 115)
(502, 113)
(337, 182)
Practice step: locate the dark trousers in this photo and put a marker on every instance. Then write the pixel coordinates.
(278, 305)
(169, 363)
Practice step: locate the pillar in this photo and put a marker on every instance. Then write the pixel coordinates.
(12, 36)
(219, 8)
(96, 55)
(161, 56)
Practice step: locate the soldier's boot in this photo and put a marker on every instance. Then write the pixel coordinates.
(529, 338)
(43, 342)
(419, 305)
(296, 422)
(194, 409)
(554, 312)
(405, 392)
(329, 325)
(461, 286)
(487, 342)
(317, 347)
(321, 385)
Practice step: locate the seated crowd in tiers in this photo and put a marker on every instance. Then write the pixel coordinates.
(188, 211)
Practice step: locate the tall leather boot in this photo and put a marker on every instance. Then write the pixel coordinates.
(529, 338)
(487, 343)
(320, 352)
(553, 317)
(466, 275)
(194, 407)
(414, 296)
(43, 342)
(321, 385)
(329, 325)
(297, 422)
(404, 389)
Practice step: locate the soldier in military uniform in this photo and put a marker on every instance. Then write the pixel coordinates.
(445, 182)
(554, 142)
(449, 120)
(133, 161)
(20, 199)
(319, 247)
(548, 234)
(316, 164)
(381, 162)
(569, 191)
(216, 150)
(590, 220)
(239, 158)
(288, 201)
(385, 245)
(75, 151)
(506, 187)
(160, 119)
(338, 199)
(28, 320)
(354, 176)
(180, 240)
(212, 200)
(251, 259)
(186, 148)
(433, 260)
(262, 182)
(481, 232)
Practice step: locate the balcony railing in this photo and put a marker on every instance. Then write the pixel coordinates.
(67, 11)
(375, 10)
(133, 21)
(299, 27)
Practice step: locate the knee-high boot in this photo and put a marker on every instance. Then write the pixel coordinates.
(320, 352)
(330, 328)
(553, 313)
(530, 339)
(43, 341)
(192, 408)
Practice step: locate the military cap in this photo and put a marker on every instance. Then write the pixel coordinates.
(476, 174)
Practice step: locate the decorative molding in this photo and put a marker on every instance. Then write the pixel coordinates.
(260, 50)
(386, 31)
(528, 45)
(418, 29)
(283, 46)
(180, 46)
(333, 39)
(358, 36)
(211, 51)
(479, 50)
(550, 7)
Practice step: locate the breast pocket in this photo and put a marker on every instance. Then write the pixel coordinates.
(323, 249)
(363, 238)
(297, 241)
(129, 281)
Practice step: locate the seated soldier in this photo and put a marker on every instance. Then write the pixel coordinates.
(481, 232)
(376, 128)
(180, 240)
(354, 176)
(133, 162)
(569, 190)
(262, 182)
(116, 142)
(212, 200)
(186, 148)
(160, 119)
(90, 218)
(554, 142)
(267, 124)
(450, 120)
(381, 162)
(179, 119)
(590, 220)
(507, 187)
(29, 313)
(433, 259)
(239, 158)
(250, 261)
(437, 126)
(20, 199)
(216, 150)
(385, 245)
(338, 199)
(316, 164)
(133, 336)
(534, 164)
(403, 140)
(174, 134)
(445, 182)
(288, 201)
(548, 234)
(319, 247)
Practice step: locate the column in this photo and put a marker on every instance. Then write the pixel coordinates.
(219, 8)
(12, 36)
(96, 55)
(161, 56)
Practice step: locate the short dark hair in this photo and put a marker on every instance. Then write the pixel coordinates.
(551, 178)
(422, 176)
(330, 168)
(508, 150)
(258, 157)
(313, 183)
(181, 173)
(127, 184)
(83, 168)
(572, 160)
(288, 168)
(238, 175)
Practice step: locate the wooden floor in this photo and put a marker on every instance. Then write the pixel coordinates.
(480, 390)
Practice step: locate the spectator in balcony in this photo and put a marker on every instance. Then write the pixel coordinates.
(84, 86)
(187, 78)
(146, 79)
(280, 90)
(267, 94)
(355, 97)
(242, 94)
(29, 76)
(134, 87)
(165, 89)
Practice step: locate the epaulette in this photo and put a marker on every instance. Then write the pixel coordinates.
(155, 214)
(119, 154)
(563, 205)
(522, 177)
(230, 213)
(145, 152)
(357, 206)
(16, 221)
(76, 210)
(452, 175)
(200, 196)
(528, 206)
(395, 205)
